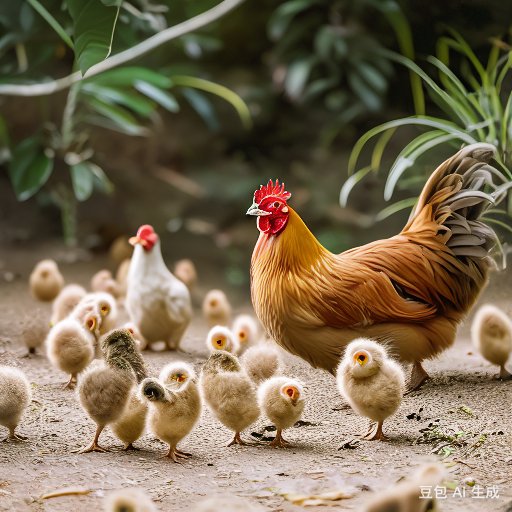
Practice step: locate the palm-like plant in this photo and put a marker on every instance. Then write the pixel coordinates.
(475, 107)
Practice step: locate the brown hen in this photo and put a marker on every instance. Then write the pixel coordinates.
(410, 291)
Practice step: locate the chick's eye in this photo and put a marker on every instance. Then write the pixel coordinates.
(105, 310)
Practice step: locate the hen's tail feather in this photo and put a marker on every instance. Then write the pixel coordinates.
(456, 196)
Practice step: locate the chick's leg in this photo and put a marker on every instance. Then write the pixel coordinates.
(504, 373)
(94, 446)
(70, 384)
(175, 454)
(376, 434)
(13, 436)
(130, 446)
(238, 440)
(417, 377)
(279, 441)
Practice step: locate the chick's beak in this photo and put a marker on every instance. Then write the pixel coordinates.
(254, 210)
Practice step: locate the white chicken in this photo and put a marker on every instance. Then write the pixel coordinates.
(158, 303)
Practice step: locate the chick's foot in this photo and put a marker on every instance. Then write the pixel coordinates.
(376, 434)
(238, 440)
(279, 441)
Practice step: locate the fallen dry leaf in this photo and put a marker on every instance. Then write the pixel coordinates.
(324, 498)
(66, 491)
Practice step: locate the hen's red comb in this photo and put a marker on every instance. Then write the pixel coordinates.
(270, 189)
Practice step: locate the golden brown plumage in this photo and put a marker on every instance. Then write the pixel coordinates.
(409, 291)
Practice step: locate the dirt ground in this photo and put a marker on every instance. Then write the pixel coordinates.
(463, 395)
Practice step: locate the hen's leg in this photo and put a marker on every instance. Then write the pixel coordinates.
(417, 377)
(504, 373)
(94, 446)
(377, 434)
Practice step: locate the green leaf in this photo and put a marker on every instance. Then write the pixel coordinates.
(133, 101)
(127, 76)
(297, 76)
(283, 16)
(100, 178)
(203, 107)
(57, 27)
(118, 116)
(93, 27)
(82, 180)
(29, 168)
(163, 98)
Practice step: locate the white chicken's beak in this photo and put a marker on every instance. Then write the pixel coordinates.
(134, 240)
(254, 210)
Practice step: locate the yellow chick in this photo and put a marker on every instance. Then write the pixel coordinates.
(66, 301)
(128, 500)
(15, 395)
(282, 400)
(101, 302)
(221, 338)
(371, 382)
(130, 426)
(70, 345)
(407, 496)
(261, 362)
(216, 308)
(34, 330)
(174, 405)
(185, 271)
(103, 281)
(230, 393)
(245, 329)
(491, 332)
(46, 281)
(104, 389)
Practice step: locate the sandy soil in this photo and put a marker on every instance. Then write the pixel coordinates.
(462, 395)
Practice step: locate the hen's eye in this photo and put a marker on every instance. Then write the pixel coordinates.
(276, 205)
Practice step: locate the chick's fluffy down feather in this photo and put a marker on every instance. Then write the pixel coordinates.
(230, 394)
(15, 395)
(376, 396)
(130, 426)
(280, 410)
(129, 500)
(261, 362)
(104, 392)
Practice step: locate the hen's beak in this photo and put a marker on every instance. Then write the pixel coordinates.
(134, 240)
(254, 210)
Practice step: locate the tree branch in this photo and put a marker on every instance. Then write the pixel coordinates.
(136, 51)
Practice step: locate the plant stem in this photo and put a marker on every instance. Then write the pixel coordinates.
(67, 203)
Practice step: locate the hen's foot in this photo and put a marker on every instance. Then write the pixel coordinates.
(504, 374)
(279, 441)
(238, 440)
(376, 434)
(417, 378)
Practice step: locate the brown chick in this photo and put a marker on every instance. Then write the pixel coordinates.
(491, 333)
(216, 308)
(105, 389)
(66, 301)
(70, 345)
(46, 281)
(230, 393)
(15, 396)
(282, 400)
(185, 270)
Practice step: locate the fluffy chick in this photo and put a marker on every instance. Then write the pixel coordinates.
(98, 302)
(406, 496)
(216, 308)
(261, 362)
(128, 500)
(185, 271)
(139, 339)
(246, 331)
(130, 426)
(105, 389)
(103, 281)
(282, 400)
(34, 330)
(15, 395)
(46, 281)
(371, 382)
(230, 393)
(66, 302)
(491, 332)
(221, 338)
(70, 345)
(122, 277)
(174, 405)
